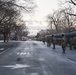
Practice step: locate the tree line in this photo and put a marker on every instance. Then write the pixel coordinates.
(10, 16)
(63, 20)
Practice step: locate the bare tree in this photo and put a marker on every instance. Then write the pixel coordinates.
(54, 19)
(10, 11)
(62, 20)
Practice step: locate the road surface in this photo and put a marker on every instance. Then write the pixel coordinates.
(35, 58)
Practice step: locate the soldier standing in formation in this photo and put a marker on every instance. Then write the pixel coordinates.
(64, 43)
(53, 41)
(71, 43)
(48, 42)
(43, 40)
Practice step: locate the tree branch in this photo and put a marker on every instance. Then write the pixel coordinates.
(73, 2)
(71, 14)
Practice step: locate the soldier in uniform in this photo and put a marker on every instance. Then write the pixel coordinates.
(64, 43)
(53, 41)
(71, 43)
(48, 42)
(43, 40)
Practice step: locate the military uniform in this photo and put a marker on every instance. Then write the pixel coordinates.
(71, 43)
(53, 42)
(48, 42)
(64, 44)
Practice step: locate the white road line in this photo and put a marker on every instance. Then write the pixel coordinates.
(34, 73)
(5, 50)
(17, 66)
(1, 49)
(41, 59)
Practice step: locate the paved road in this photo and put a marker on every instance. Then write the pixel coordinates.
(4, 46)
(34, 58)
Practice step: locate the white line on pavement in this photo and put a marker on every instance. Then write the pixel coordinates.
(1, 49)
(5, 51)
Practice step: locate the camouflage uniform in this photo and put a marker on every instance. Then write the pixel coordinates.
(53, 42)
(71, 43)
(48, 42)
(43, 40)
(64, 44)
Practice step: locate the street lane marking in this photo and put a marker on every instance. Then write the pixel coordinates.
(4, 50)
(34, 74)
(17, 66)
(41, 59)
(1, 49)
(24, 53)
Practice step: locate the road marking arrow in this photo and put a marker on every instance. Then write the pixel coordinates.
(17, 66)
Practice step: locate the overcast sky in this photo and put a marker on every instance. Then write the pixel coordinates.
(44, 7)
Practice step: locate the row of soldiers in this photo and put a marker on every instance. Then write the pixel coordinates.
(63, 42)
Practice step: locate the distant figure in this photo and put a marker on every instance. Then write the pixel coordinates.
(53, 41)
(64, 43)
(70, 43)
(74, 42)
(48, 42)
(43, 40)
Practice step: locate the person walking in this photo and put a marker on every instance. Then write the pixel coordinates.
(43, 40)
(48, 42)
(71, 43)
(64, 41)
(53, 41)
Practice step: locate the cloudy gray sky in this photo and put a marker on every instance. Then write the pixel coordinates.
(37, 22)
